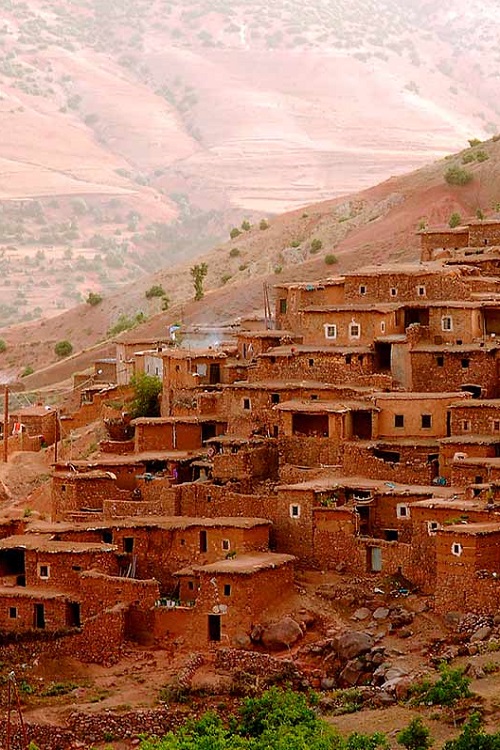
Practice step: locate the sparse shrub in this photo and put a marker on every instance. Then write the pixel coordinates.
(245, 225)
(422, 224)
(451, 685)
(468, 157)
(331, 259)
(234, 252)
(277, 269)
(225, 278)
(59, 688)
(474, 142)
(165, 303)
(316, 246)
(28, 370)
(482, 155)
(243, 267)
(63, 348)
(479, 215)
(455, 175)
(235, 232)
(3, 346)
(264, 224)
(455, 220)
(295, 243)
(415, 736)
(155, 291)
(93, 299)
(198, 273)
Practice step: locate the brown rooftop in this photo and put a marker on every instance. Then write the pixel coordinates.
(291, 350)
(363, 483)
(242, 564)
(159, 522)
(319, 407)
(44, 543)
(472, 529)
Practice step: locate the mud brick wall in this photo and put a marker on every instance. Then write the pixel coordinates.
(130, 508)
(427, 375)
(118, 447)
(154, 437)
(384, 515)
(412, 468)
(309, 451)
(213, 501)
(311, 324)
(24, 606)
(74, 493)
(467, 593)
(260, 462)
(481, 419)
(447, 452)
(466, 322)
(174, 625)
(294, 534)
(478, 233)
(100, 592)
(237, 660)
(334, 538)
(65, 568)
(412, 410)
(324, 367)
(442, 240)
(438, 286)
(463, 473)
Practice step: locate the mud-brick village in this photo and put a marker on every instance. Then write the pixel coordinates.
(318, 492)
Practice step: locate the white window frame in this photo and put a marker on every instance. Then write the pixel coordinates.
(363, 289)
(465, 425)
(353, 324)
(382, 326)
(446, 323)
(226, 545)
(294, 510)
(403, 507)
(421, 291)
(393, 291)
(456, 549)
(328, 326)
(433, 527)
(39, 571)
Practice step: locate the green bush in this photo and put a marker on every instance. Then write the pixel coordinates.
(455, 175)
(264, 224)
(235, 232)
(316, 246)
(28, 370)
(147, 389)
(474, 142)
(155, 291)
(468, 157)
(482, 155)
(415, 736)
(234, 252)
(94, 299)
(3, 346)
(451, 685)
(63, 348)
(473, 737)
(455, 220)
(331, 259)
(245, 225)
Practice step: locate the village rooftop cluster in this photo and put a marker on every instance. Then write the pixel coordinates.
(356, 431)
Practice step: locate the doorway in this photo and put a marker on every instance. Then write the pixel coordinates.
(39, 619)
(214, 628)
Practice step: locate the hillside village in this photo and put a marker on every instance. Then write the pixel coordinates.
(355, 428)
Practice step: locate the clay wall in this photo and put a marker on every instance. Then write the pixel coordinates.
(429, 375)
(64, 568)
(101, 592)
(17, 612)
(429, 242)
(372, 323)
(484, 233)
(76, 492)
(466, 324)
(476, 418)
(309, 451)
(259, 462)
(411, 410)
(213, 501)
(464, 473)
(413, 467)
(447, 453)
(293, 522)
(414, 287)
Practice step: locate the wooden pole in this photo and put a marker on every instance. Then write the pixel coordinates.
(6, 424)
(56, 442)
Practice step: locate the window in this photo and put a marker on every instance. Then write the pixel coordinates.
(362, 289)
(107, 537)
(246, 404)
(382, 327)
(314, 397)
(226, 545)
(63, 488)
(191, 585)
(495, 425)
(393, 291)
(76, 568)
(294, 511)
(456, 549)
(432, 527)
(13, 613)
(203, 541)
(201, 369)
(354, 331)
(283, 306)
(447, 323)
(465, 424)
(348, 359)
(426, 421)
(43, 571)
(128, 544)
(227, 589)
(311, 363)
(391, 535)
(440, 361)
(275, 398)
(421, 291)
(402, 510)
(399, 420)
(330, 331)
(183, 542)
(465, 363)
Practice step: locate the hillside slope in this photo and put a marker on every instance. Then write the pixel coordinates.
(375, 226)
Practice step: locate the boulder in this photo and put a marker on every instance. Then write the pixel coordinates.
(281, 634)
(401, 617)
(380, 613)
(352, 643)
(352, 673)
(361, 614)
(481, 634)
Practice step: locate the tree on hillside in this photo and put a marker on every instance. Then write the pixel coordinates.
(415, 736)
(147, 389)
(455, 220)
(198, 273)
(63, 348)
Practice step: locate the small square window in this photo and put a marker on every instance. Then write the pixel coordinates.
(456, 549)
(107, 537)
(393, 291)
(421, 291)
(183, 542)
(275, 398)
(43, 571)
(330, 331)
(226, 545)
(496, 425)
(382, 327)
(294, 511)
(465, 363)
(246, 404)
(76, 568)
(399, 420)
(311, 363)
(426, 421)
(354, 331)
(362, 289)
(227, 589)
(314, 397)
(440, 361)
(465, 425)
(283, 306)
(348, 359)
(402, 510)
(13, 613)
(432, 527)
(446, 323)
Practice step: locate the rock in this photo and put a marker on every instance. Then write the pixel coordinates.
(496, 620)
(352, 673)
(380, 613)
(481, 634)
(361, 614)
(400, 617)
(405, 633)
(453, 618)
(242, 640)
(352, 643)
(281, 634)
(402, 688)
(327, 683)
(395, 673)
(385, 698)
(305, 617)
(378, 658)
(256, 633)
(472, 650)
(475, 671)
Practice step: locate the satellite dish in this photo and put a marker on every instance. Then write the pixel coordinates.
(215, 609)
(223, 608)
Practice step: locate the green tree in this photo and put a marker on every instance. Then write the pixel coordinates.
(331, 259)
(155, 291)
(455, 220)
(451, 685)
(63, 348)
(147, 389)
(93, 299)
(235, 232)
(3, 346)
(415, 736)
(264, 224)
(245, 225)
(456, 175)
(473, 737)
(198, 273)
(316, 246)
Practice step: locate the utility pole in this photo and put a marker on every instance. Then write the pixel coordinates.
(6, 424)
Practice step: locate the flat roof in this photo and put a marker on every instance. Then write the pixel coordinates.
(266, 334)
(363, 483)
(485, 346)
(161, 522)
(381, 307)
(177, 420)
(474, 403)
(242, 564)
(278, 385)
(471, 440)
(418, 395)
(32, 592)
(194, 353)
(312, 286)
(291, 350)
(472, 529)
(319, 407)
(435, 503)
(44, 543)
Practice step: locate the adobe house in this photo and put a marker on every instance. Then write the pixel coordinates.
(468, 568)
(82, 492)
(149, 362)
(126, 347)
(25, 610)
(428, 517)
(37, 421)
(476, 417)
(225, 599)
(291, 298)
(484, 232)
(467, 470)
(402, 414)
(105, 370)
(349, 324)
(187, 370)
(176, 433)
(252, 343)
(458, 447)
(243, 459)
(311, 432)
(438, 239)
